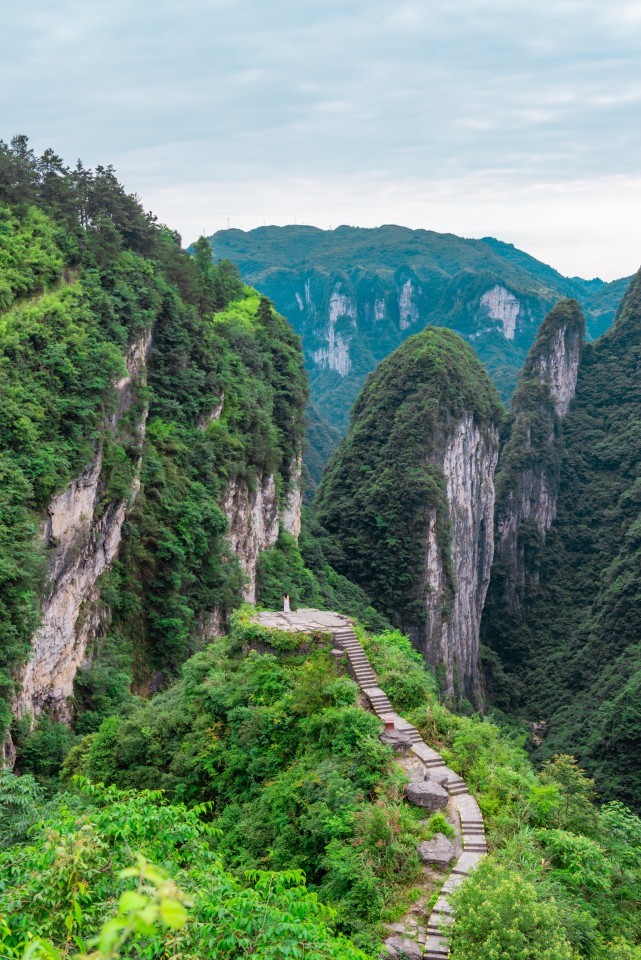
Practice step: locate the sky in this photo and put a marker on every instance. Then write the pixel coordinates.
(519, 120)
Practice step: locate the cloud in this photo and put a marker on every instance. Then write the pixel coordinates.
(237, 100)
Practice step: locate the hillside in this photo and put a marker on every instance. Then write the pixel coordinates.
(186, 775)
(409, 498)
(150, 446)
(356, 294)
(571, 652)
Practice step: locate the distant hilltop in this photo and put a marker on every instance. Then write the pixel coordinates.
(355, 293)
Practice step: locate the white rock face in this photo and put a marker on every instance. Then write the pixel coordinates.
(335, 355)
(452, 619)
(504, 306)
(299, 301)
(84, 545)
(254, 521)
(379, 310)
(407, 309)
(533, 495)
(214, 414)
(560, 368)
(253, 524)
(292, 513)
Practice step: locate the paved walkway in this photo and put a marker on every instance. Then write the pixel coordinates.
(433, 939)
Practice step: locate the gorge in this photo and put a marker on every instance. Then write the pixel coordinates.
(459, 574)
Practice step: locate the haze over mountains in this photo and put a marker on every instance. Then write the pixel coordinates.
(355, 294)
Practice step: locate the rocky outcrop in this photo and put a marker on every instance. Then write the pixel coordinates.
(456, 577)
(291, 515)
(83, 535)
(439, 851)
(335, 355)
(255, 517)
(528, 478)
(254, 522)
(503, 306)
(410, 499)
(408, 311)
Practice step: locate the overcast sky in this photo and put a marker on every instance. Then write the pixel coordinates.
(519, 119)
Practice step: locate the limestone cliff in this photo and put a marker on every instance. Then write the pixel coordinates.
(528, 475)
(255, 516)
(457, 570)
(83, 534)
(409, 497)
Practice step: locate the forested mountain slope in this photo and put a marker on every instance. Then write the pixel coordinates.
(356, 294)
(572, 654)
(409, 498)
(151, 429)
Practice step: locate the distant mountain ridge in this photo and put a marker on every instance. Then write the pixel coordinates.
(354, 294)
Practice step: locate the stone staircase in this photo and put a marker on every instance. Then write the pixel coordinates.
(434, 939)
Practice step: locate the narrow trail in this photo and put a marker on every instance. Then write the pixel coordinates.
(434, 941)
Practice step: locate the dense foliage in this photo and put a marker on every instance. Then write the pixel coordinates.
(528, 470)
(578, 660)
(563, 879)
(82, 883)
(269, 766)
(84, 274)
(264, 729)
(303, 269)
(387, 475)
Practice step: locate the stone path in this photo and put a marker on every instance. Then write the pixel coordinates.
(434, 940)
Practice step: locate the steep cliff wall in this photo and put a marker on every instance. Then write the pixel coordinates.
(529, 469)
(83, 534)
(354, 295)
(255, 517)
(570, 653)
(457, 572)
(409, 497)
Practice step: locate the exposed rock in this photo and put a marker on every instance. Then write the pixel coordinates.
(292, 513)
(397, 740)
(402, 948)
(335, 355)
(84, 537)
(469, 459)
(440, 778)
(438, 851)
(503, 306)
(407, 309)
(528, 474)
(254, 520)
(428, 794)
(213, 415)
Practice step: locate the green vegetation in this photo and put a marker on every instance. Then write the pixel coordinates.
(564, 875)
(574, 660)
(529, 467)
(82, 885)
(322, 440)
(301, 267)
(304, 571)
(279, 797)
(84, 274)
(385, 477)
(264, 729)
